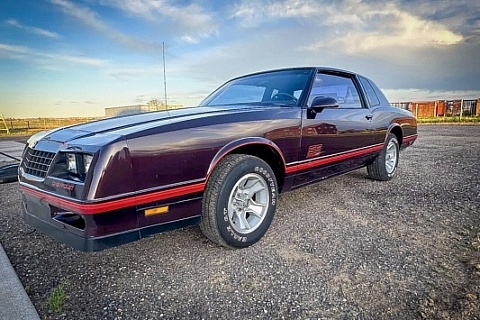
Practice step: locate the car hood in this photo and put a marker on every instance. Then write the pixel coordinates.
(111, 129)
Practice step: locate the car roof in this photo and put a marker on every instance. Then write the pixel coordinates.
(322, 69)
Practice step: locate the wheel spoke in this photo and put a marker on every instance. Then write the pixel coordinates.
(242, 219)
(233, 215)
(235, 218)
(389, 166)
(256, 208)
(254, 188)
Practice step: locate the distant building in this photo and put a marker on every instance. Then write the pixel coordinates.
(125, 110)
(139, 108)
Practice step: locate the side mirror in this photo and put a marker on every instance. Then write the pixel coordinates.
(321, 102)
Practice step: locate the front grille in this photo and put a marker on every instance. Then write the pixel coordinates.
(37, 162)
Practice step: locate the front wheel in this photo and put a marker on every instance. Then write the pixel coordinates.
(239, 201)
(385, 164)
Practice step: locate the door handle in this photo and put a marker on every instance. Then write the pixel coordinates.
(369, 117)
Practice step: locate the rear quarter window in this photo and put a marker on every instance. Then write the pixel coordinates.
(370, 92)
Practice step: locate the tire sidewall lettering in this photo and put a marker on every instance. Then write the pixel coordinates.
(223, 219)
(271, 183)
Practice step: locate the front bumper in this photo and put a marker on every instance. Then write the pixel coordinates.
(99, 231)
(62, 234)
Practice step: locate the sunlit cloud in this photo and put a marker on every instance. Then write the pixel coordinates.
(461, 16)
(352, 26)
(398, 29)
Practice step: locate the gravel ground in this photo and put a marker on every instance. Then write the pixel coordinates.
(345, 248)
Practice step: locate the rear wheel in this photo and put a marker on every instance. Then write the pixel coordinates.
(385, 164)
(239, 201)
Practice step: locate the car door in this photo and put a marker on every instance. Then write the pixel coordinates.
(380, 120)
(334, 139)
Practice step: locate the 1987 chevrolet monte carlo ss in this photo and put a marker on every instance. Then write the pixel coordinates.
(223, 163)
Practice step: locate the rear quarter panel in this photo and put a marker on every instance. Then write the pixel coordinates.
(385, 118)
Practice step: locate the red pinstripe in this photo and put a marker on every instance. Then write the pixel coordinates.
(332, 158)
(95, 208)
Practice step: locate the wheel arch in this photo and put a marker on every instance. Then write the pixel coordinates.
(396, 129)
(258, 147)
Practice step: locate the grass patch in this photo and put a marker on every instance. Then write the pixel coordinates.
(57, 297)
(449, 120)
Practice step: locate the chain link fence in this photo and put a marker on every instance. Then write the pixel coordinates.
(32, 125)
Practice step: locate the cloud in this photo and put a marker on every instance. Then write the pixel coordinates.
(47, 59)
(8, 49)
(431, 46)
(354, 27)
(34, 30)
(284, 9)
(80, 60)
(124, 74)
(393, 28)
(320, 12)
(190, 21)
(91, 20)
(461, 16)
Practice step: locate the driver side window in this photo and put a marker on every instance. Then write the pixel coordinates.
(338, 87)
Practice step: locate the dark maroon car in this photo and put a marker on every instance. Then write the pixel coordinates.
(222, 164)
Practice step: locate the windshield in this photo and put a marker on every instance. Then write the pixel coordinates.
(278, 87)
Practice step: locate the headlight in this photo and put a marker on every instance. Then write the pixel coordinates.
(77, 164)
(72, 163)
(87, 160)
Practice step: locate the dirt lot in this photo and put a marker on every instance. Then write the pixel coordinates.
(346, 248)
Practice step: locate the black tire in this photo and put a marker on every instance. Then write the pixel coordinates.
(384, 166)
(231, 198)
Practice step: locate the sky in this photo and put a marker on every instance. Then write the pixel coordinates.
(65, 58)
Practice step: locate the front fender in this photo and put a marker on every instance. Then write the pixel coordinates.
(113, 172)
(244, 142)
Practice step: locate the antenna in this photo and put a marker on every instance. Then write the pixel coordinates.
(164, 75)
